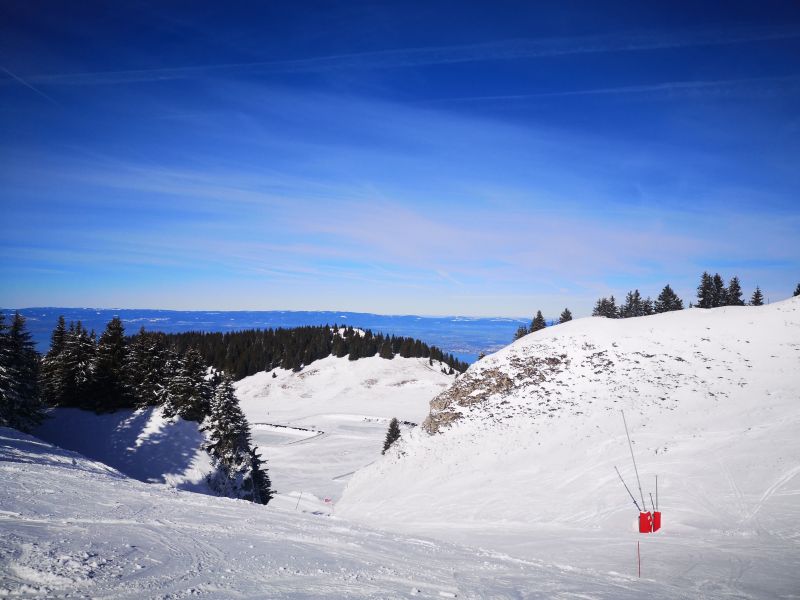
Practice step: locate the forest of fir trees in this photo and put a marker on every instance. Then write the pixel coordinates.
(113, 372)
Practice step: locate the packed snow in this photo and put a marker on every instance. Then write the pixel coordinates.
(72, 527)
(523, 461)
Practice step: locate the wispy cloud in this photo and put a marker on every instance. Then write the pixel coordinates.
(25, 83)
(512, 49)
(758, 86)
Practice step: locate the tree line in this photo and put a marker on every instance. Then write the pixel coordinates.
(712, 292)
(243, 353)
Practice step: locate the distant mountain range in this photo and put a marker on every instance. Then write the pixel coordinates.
(464, 337)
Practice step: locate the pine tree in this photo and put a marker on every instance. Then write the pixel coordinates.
(522, 331)
(77, 363)
(386, 350)
(52, 381)
(392, 435)
(149, 366)
(606, 307)
(538, 322)
(720, 293)
(238, 471)
(796, 290)
(705, 292)
(667, 301)
(188, 392)
(633, 306)
(111, 389)
(565, 316)
(20, 405)
(734, 295)
(758, 298)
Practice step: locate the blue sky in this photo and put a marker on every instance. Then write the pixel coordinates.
(430, 158)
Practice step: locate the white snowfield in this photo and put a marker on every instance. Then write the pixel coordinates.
(76, 528)
(318, 426)
(523, 461)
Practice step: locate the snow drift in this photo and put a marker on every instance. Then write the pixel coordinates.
(521, 449)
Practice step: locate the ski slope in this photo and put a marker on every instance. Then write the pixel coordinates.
(316, 427)
(72, 527)
(522, 458)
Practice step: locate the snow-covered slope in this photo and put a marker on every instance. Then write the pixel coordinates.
(72, 527)
(140, 443)
(317, 426)
(527, 440)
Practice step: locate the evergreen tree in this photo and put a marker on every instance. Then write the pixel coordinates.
(52, 378)
(111, 381)
(522, 331)
(606, 307)
(538, 322)
(20, 405)
(77, 364)
(720, 293)
(667, 301)
(262, 485)
(796, 290)
(705, 292)
(188, 392)
(386, 350)
(392, 435)
(758, 298)
(238, 471)
(149, 366)
(734, 294)
(565, 316)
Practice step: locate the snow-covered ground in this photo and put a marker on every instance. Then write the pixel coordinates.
(521, 468)
(139, 443)
(317, 426)
(72, 527)
(529, 437)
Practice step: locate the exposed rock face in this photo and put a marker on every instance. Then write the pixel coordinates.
(550, 374)
(486, 383)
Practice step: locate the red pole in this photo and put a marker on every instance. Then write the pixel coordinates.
(639, 559)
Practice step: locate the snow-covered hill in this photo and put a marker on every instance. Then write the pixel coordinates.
(525, 443)
(76, 528)
(317, 426)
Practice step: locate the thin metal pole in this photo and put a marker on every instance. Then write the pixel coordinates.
(632, 458)
(653, 504)
(298, 500)
(627, 490)
(639, 559)
(656, 492)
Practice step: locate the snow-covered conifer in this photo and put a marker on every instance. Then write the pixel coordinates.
(20, 405)
(188, 392)
(238, 471)
(111, 390)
